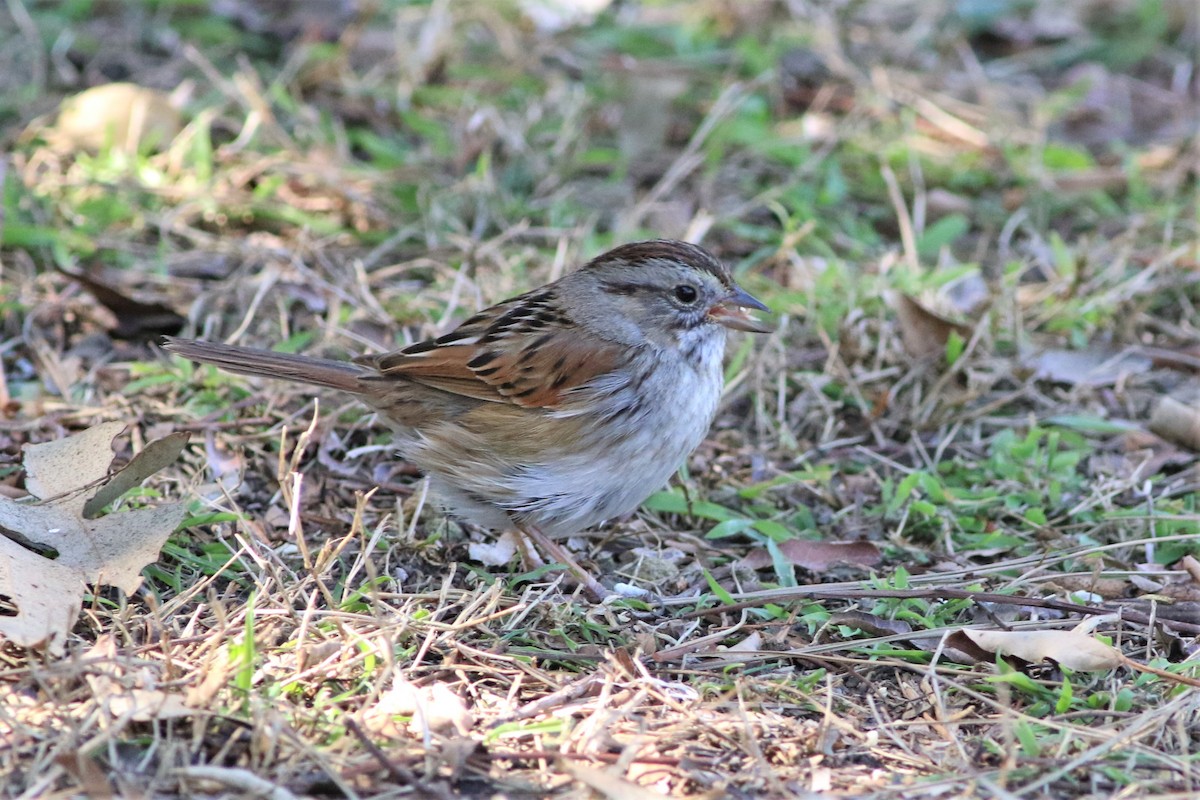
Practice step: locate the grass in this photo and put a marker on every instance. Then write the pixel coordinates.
(1026, 177)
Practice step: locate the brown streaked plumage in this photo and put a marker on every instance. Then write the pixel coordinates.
(556, 409)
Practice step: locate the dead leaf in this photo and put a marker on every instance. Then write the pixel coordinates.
(657, 565)
(225, 465)
(1105, 588)
(816, 556)
(553, 16)
(126, 694)
(217, 668)
(924, 332)
(1071, 649)
(957, 647)
(47, 592)
(434, 707)
(134, 318)
(1115, 107)
(147, 705)
(606, 784)
(154, 456)
(496, 553)
(1177, 422)
(1093, 367)
(85, 771)
(751, 644)
(1141, 454)
(715, 654)
(1191, 566)
(123, 116)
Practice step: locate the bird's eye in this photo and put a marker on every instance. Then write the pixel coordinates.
(686, 293)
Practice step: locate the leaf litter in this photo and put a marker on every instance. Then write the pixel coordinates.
(362, 221)
(70, 480)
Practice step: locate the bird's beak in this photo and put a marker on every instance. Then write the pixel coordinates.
(731, 312)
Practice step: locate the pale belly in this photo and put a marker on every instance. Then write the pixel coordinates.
(622, 460)
(608, 465)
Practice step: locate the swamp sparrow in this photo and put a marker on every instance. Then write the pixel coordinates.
(556, 409)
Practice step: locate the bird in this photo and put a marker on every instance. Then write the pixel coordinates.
(555, 410)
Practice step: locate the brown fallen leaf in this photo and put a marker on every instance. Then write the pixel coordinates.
(1177, 422)
(815, 556)
(134, 318)
(606, 784)
(1106, 588)
(923, 331)
(1143, 453)
(960, 649)
(66, 476)
(87, 773)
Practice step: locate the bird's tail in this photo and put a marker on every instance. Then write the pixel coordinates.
(269, 364)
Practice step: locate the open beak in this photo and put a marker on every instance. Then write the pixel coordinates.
(731, 312)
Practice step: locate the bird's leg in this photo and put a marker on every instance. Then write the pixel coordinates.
(595, 590)
(530, 558)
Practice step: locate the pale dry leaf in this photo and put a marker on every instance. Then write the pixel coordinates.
(552, 16)
(434, 707)
(129, 696)
(1092, 367)
(123, 116)
(56, 469)
(245, 782)
(751, 644)
(147, 705)
(226, 466)
(216, 672)
(735, 653)
(656, 565)
(48, 592)
(47, 596)
(441, 710)
(496, 553)
(1071, 649)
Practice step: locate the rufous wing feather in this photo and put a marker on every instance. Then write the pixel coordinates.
(524, 352)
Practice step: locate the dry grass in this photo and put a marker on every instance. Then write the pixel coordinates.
(319, 628)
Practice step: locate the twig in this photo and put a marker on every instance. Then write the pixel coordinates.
(815, 593)
(400, 774)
